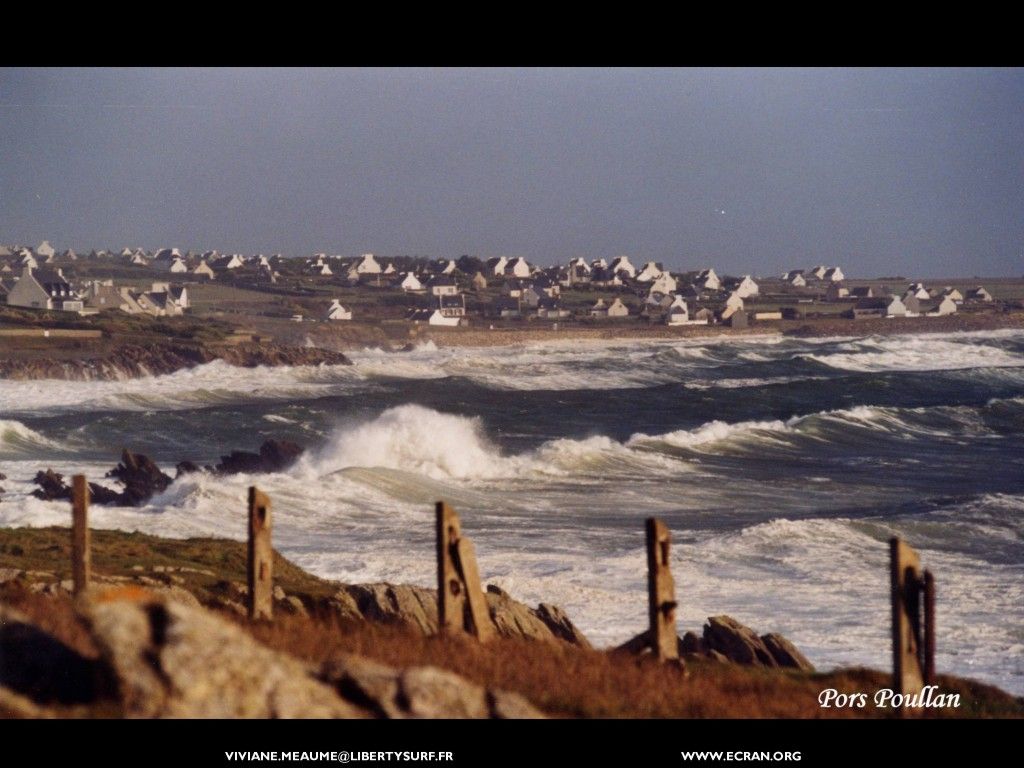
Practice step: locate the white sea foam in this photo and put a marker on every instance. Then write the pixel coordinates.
(921, 353)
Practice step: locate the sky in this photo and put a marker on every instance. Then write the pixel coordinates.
(910, 172)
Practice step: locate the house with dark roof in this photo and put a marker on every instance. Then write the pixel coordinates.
(44, 289)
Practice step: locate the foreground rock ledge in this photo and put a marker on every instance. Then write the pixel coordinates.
(165, 658)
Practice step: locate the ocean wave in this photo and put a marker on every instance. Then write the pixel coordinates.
(426, 442)
(211, 384)
(16, 438)
(945, 352)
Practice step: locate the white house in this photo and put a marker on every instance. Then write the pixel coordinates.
(479, 282)
(650, 272)
(337, 312)
(177, 267)
(795, 278)
(581, 263)
(228, 262)
(28, 260)
(734, 301)
(518, 267)
(45, 250)
(389, 269)
(834, 275)
(979, 294)
(45, 289)
(442, 285)
(918, 290)
(617, 309)
(432, 317)
(140, 259)
(368, 265)
(747, 287)
(945, 306)
(598, 309)
(678, 313)
(953, 293)
(622, 264)
(708, 280)
(410, 283)
(324, 269)
(445, 267)
(817, 272)
(497, 265)
(204, 270)
(664, 283)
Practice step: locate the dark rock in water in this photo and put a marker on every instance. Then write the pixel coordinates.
(142, 478)
(99, 494)
(737, 642)
(3, 476)
(274, 456)
(185, 468)
(51, 486)
(785, 653)
(279, 454)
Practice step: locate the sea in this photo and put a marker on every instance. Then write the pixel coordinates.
(781, 465)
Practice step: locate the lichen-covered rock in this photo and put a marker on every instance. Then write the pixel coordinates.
(416, 608)
(174, 660)
(737, 642)
(420, 692)
(785, 653)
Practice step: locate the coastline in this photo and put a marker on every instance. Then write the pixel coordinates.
(325, 344)
(809, 328)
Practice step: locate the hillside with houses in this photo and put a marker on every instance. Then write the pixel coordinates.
(493, 293)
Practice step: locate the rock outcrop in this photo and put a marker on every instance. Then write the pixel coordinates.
(740, 644)
(416, 608)
(161, 657)
(419, 692)
(52, 487)
(274, 456)
(141, 476)
(132, 361)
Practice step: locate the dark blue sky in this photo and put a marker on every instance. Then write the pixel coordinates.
(917, 172)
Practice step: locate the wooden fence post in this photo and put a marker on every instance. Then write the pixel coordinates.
(661, 592)
(913, 635)
(81, 556)
(261, 557)
(461, 605)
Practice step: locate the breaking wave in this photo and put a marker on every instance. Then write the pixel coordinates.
(420, 440)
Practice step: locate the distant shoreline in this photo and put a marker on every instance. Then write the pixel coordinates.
(60, 360)
(808, 328)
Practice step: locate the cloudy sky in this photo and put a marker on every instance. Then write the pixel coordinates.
(882, 171)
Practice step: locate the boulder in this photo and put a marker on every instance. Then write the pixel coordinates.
(416, 608)
(141, 476)
(174, 660)
(419, 692)
(51, 486)
(185, 468)
(40, 668)
(785, 653)
(737, 642)
(274, 456)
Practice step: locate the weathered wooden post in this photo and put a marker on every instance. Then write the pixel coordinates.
(461, 605)
(261, 557)
(913, 639)
(661, 592)
(81, 556)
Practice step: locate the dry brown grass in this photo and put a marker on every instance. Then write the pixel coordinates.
(563, 681)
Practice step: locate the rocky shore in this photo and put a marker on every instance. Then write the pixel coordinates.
(130, 361)
(162, 633)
